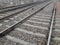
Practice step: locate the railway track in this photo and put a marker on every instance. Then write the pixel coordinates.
(30, 27)
(55, 38)
(18, 18)
(6, 9)
(14, 12)
(10, 8)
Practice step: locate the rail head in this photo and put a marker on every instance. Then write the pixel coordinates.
(51, 26)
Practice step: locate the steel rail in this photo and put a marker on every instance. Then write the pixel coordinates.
(51, 26)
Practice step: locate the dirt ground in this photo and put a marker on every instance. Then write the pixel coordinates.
(58, 7)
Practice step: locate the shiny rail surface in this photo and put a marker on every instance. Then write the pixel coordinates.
(51, 27)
